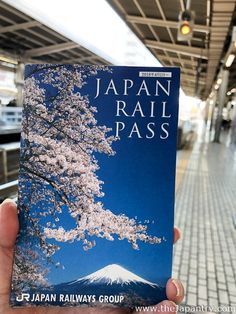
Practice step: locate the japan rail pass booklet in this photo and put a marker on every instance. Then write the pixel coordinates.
(96, 185)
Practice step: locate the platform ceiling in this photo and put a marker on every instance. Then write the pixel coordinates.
(155, 22)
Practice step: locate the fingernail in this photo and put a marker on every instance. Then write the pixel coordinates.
(170, 306)
(170, 303)
(176, 284)
(8, 200)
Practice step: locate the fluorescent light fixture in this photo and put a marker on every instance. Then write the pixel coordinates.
(92, 24)
(8, 89)
(219, 81)
(230, 60)
(7, 60)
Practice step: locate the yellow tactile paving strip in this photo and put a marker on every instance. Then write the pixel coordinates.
(181, 166)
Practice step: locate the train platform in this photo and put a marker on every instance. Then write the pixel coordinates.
(204, 259)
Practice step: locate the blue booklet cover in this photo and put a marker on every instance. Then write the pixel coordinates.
(96, 185)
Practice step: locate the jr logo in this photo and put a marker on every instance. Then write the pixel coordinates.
(22, 297)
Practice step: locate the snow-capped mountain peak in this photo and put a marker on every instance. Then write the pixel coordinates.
(114, 274)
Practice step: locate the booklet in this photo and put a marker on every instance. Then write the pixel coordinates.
(96, 185)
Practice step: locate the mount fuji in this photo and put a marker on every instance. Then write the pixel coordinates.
(114, 280)
(113, 274)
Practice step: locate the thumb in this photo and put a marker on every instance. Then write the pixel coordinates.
(9, 226)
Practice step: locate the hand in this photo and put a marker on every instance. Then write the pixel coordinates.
(9, 227)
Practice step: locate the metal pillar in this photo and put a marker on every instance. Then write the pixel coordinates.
(212, 114)
(207, 108)
(19, 81)
(233, 126)
(221, 101)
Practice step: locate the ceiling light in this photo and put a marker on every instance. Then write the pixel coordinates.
(8, 89)
(185, 29)
(217, 87)
(185, 25)
(219, 81)
(8, 60)
(230, 60)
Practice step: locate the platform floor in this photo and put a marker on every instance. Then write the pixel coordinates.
(205, 257)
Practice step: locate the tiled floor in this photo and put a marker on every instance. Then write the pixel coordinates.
(205, 257)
